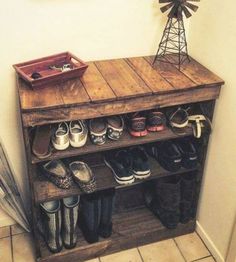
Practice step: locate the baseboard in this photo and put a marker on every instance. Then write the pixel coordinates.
(209, 243)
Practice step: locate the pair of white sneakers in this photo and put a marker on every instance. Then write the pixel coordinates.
(74, 134)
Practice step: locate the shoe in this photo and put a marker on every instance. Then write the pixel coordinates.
(169, 156)
(57, 173)
(167, 204)
(89, 216)
(115, 127)
(60, 139)
(156, 121)
(41, 142)
(140, 167)
(78, 133)
(188, 153)
(83, 176)
(70, 207)
(51, 225)
(107, 204)
(137, 125)
(120, 164)
(178, 119)
(200, 123)
(98, 130)
(188, 196)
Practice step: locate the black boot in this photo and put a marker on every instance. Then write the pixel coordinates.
(164, 199)
(70, 219)
(51, 225)
(89, 216)
(107, 203)
(188, 195)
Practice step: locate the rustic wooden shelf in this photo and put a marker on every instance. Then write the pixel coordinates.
(113, 87)
(125, 235)
(125, 141)
(45, 190)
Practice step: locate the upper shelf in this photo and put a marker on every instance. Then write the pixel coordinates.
(126, 140)
(128, 83)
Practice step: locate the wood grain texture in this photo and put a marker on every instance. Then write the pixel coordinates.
(150, 75)
(96, 86)
(74, 93)
(120, 106)
(45, 190)
(130, 229)
(172, 75)
(122, 79)
(40, 98)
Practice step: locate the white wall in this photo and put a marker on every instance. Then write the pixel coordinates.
(91, 29)
(212, 40)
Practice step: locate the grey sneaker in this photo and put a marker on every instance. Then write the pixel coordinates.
(60, 139)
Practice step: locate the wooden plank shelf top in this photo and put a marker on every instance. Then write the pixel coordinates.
(131, 228)
(118, 85)
(126, 140)
(44, 190)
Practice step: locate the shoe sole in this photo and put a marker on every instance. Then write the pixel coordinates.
(61, 147)
(125, 180)
(155, 128)
(142, 176)
(138, 134)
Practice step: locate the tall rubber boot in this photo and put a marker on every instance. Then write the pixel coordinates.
(70, 218)
(188, 195)
(51, 220)
(107, 204)
(89, 216)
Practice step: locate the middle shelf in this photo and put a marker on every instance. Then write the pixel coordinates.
(46, 191)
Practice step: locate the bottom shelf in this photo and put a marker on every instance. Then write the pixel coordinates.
(130, 229)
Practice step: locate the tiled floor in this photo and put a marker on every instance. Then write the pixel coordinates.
(17, 246)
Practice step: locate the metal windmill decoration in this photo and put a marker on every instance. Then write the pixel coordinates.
(173, 46)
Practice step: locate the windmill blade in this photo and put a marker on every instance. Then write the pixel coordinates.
(165, 1)
(173, 11)
(186, 12)
(166, 7)
(191, 6)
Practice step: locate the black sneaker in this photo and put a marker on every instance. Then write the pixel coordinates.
(188, 152)
(140, 167)
(121, 165)
(169, 156)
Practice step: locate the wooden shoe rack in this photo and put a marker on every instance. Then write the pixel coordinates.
(114, 87)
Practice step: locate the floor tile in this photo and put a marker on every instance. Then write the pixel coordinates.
(192, 247)
(164, 251)
(23, 249)
(16, 229)
(4, 232)
(93, 260)
(207, 259)
(5, 249)
(130, 255)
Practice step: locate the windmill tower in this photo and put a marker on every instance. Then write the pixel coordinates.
(173, 46)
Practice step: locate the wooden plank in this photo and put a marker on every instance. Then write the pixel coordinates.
(46, 97)
(150, 75)
(200, 74)
(121, 106)
(125, 141)
(96, 86)
(172, 75)
(74, 93)
(130, 229)
(122, 79)
(45, 190)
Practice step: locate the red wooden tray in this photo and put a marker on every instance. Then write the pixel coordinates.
(48, 75)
